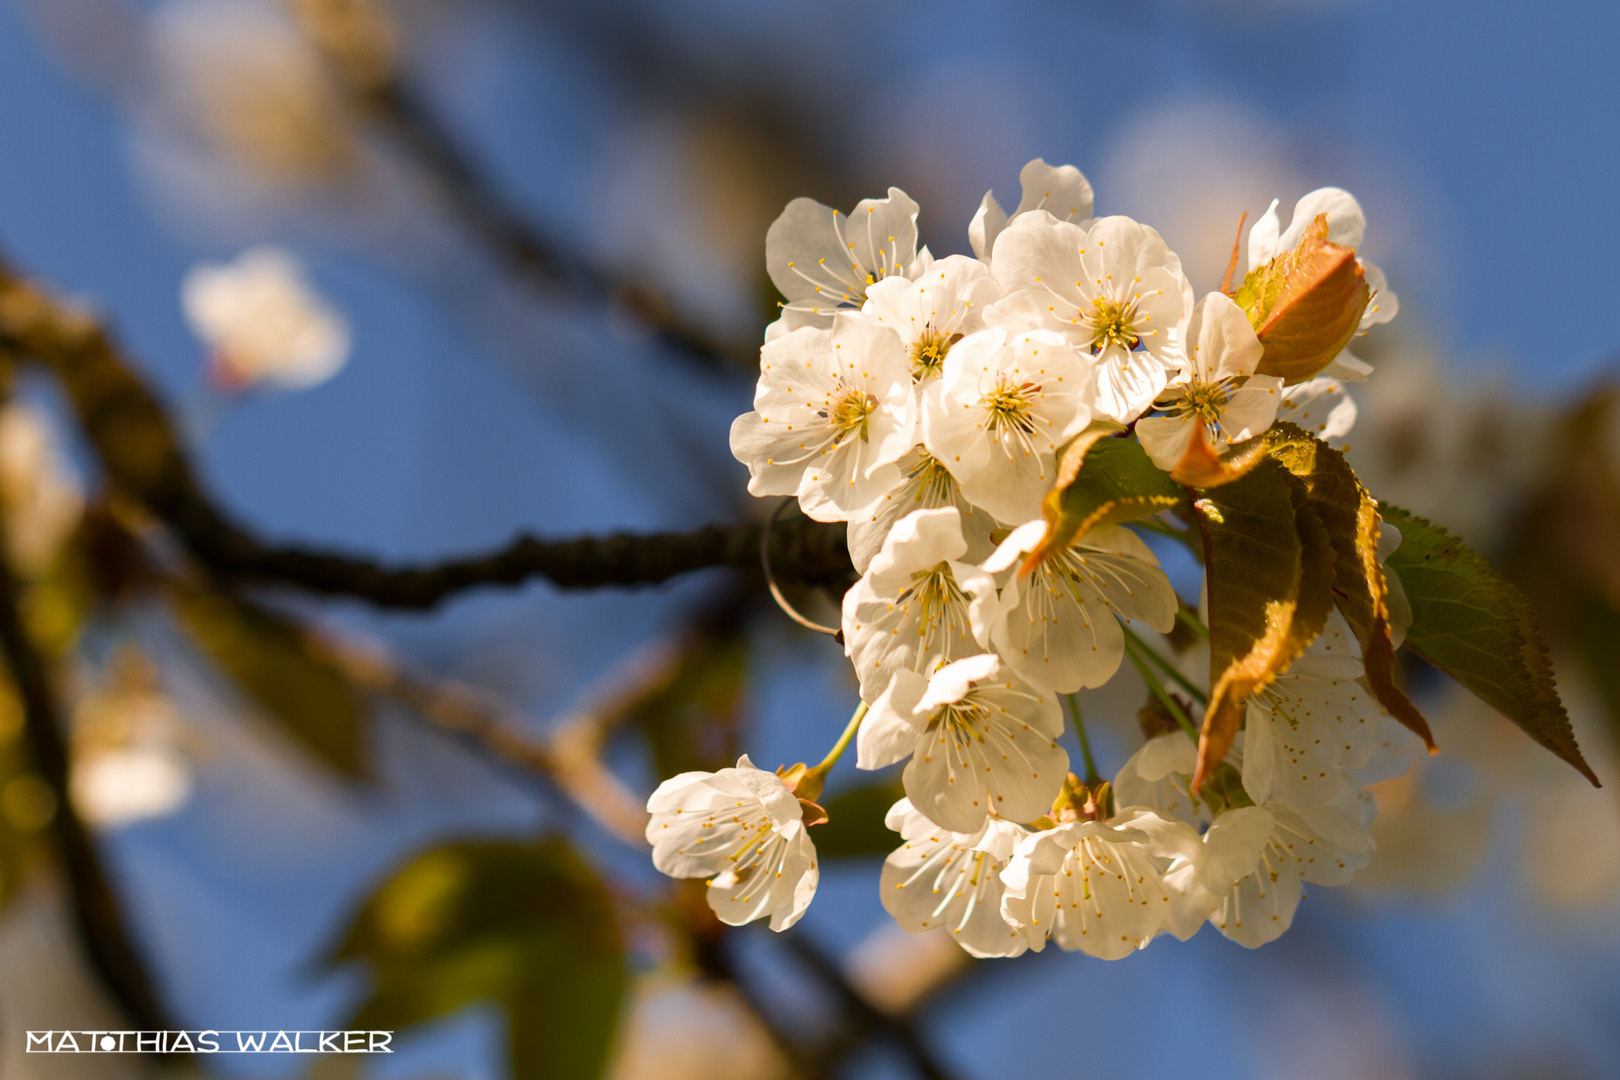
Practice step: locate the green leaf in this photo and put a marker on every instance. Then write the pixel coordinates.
(854, 828)
(1471, 623)
(525, 926)
(1116, 482)
(1305, 305)
(1269, 568)
(275, 665)
(1350, 516)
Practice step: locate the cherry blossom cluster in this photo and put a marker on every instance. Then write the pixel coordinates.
(926, 403)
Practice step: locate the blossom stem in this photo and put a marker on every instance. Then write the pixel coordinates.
(1158, 691)
(1152, 655)
(1193, 623)
(842, 744)
(1093, 777)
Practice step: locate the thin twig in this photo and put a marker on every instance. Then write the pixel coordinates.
(98, 916)
(788, 609)
(143, 456)
(385, 100)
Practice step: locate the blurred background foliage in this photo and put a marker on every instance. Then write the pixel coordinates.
(545, 222)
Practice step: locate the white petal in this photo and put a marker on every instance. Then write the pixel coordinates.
(1263, 236)
(1061, 190)
(986, 225)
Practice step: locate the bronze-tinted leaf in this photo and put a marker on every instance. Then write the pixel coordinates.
(1269, 572)
(1350, 516)
(1305, 304)
(1201, 467)
(1117, 482)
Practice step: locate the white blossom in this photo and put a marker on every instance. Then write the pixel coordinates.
(980, 740)
(824, 262)
(1056, 625)
(1258, 858)
(1346, 226)
(934, 310)
(1115, 290)
(833, 412)
(743, 830)
(1306, 730)
(1320, 406)
(264, 321)
(917, 603)
(1096, 886)
(1062, 191)
(1159, 776)
(1002, 406)
(1217, 390)
(952, 879)
(925, 484)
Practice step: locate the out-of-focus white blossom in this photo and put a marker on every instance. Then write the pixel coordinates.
(1056, 625)
(129, 749)
(693, 1031)
(264, 322)
(1307, 730)
(939, 878)
(824, 262)
(918, 603)
(980, 739)
(43, 497)
(999, 411)
(743, 829)
(833, 412)
(1217, 390)
(1115, 290)
(1061, 190)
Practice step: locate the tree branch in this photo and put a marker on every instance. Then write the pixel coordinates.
(97, 915)
(357, 41)
(143, 458)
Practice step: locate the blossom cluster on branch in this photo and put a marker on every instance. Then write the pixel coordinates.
(999, 432)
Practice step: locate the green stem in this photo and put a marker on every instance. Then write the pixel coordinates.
(1193, 623)
(1158, 690)
(1164, 665)
(842, 744)
(1093, 777)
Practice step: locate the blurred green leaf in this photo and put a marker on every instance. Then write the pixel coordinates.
(854, 827)
(273, 663)
(525, 926)
(1471, 623)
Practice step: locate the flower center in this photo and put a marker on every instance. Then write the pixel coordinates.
(935, 484)
(850, 412)
(928, 353)
(1010, 408)
(1205, 401)
(1113, 323)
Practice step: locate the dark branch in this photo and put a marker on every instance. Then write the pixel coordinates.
(143, 457)
(97, 916)
(372, 81)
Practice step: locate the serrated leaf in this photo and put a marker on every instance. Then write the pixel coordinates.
(1471, 623)
(1117, 482)
(272, 662)
(854, 828)
(1269, 569)
(1201, 467)
(525, 926)
(1305, 305)
(1361, 593)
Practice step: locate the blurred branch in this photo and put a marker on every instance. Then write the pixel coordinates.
(97, 914)
(143, 457)
(358, 39)
(864, 1018)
